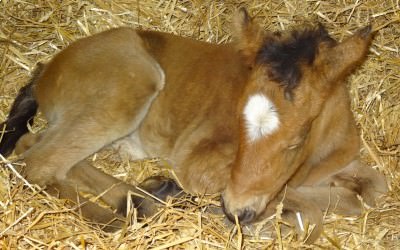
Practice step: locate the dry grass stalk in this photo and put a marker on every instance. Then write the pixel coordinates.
(34, 31)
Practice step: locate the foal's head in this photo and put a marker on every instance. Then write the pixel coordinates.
(293, 74)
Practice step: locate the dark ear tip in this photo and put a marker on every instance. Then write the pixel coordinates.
(320, 26)
(244, 14)
(322, 30)
(366, 32)
(243, 10)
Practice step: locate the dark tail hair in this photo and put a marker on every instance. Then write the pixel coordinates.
(22, 111)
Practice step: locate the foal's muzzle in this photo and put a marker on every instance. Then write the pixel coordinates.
(245, 215)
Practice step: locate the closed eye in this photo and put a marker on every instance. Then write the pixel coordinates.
(294, 146)
(296, 143)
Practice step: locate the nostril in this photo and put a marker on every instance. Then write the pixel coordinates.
(244, 215)
(247, 215)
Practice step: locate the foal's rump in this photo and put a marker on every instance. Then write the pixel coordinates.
(94, 92)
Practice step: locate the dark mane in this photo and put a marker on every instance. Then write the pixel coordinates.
(285, 54)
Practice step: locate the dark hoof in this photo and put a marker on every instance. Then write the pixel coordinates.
(366, 32)
(144, 205)
(161, 187)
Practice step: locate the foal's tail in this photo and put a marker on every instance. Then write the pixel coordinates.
(22, 111)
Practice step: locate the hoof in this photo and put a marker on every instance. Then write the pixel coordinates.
(161, 187)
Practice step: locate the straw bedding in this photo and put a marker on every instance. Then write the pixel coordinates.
(33, 31)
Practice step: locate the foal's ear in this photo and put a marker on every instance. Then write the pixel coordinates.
(340, 60)
(247, 35)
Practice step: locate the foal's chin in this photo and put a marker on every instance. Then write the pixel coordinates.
(247, 208)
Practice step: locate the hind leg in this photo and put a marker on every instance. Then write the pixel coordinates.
(48, 163)
(61, 147)
(108, 220)
(76, 132)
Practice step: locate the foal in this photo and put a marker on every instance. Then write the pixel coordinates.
(266, 113)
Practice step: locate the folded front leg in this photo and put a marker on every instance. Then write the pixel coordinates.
(341, 191)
